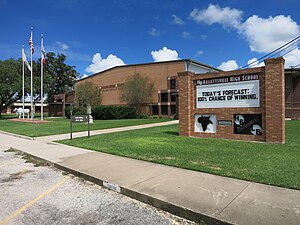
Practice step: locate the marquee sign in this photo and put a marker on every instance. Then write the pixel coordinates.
(228, 92)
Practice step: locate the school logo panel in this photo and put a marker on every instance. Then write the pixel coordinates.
(248, 124)
(205, 123)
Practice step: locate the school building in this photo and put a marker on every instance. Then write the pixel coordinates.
(164, 75)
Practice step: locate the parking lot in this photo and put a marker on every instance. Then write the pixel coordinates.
(32, 194)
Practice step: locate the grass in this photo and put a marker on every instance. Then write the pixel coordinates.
(61, 125)
(13, 115)
(273, 164)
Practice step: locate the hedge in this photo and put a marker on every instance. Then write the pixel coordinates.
(77, 110)
(109, 112)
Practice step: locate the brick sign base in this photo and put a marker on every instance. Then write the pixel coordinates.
(242, 104)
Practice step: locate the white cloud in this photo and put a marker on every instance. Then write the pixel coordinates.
(266, 35)
(153, 32)
(186, 35)
(177, 20)
(99, 64)
(292, 58)
(227, 16)
(84, 76)
(229, 65)
(199, 52)
(62, 46)
(164, 54)
(254, 63)
(262, 34)
(203, 37)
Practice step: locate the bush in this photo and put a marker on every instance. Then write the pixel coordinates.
(77, 110)
(109, 112)
(142, 116)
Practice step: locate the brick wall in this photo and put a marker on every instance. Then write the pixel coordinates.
(272, 100)
(111, 80)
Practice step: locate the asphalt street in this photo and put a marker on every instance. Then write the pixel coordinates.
(43, 195)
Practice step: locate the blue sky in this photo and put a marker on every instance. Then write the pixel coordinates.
(96, 35)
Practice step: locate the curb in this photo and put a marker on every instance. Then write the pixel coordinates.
(17, 135)
(157, 203)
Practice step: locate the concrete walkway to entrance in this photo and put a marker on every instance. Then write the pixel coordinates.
(194, 195)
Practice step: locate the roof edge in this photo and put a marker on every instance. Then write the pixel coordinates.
(160, 62)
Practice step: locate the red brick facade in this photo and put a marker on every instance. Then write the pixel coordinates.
(165, 78)
(162, 74)
(271, 108)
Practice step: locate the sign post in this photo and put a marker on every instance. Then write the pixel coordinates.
(88, 125)
(71, 114)
(79, 119)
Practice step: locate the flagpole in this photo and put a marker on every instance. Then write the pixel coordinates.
(42, 75)
(31, 75)
(23, 75)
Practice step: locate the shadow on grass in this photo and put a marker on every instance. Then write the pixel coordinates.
(172, 133)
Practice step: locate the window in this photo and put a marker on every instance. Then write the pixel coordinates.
(164, 97)
(173, 84)
(173, 97)
(173, 109)
(164, 110)
(154, 110)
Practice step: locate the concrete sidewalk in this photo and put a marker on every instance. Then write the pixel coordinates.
(103, 131)
(193, 195)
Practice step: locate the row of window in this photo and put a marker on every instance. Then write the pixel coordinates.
(164, 97)
(164, 109)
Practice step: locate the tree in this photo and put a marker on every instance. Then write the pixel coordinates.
(58, 78)
(87, 94)
(37, 81)
(11, 82)
(62, 77)
(137, 91)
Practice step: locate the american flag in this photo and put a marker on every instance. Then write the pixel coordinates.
(31, 44)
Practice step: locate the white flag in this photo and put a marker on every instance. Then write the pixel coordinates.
(43, 52)
(25, 59)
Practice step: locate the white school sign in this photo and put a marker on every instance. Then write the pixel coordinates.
(228, 92)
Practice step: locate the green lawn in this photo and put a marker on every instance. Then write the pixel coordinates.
(61, 125)
(274, 164)
(13, 115)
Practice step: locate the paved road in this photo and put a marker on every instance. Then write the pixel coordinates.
(43, 195)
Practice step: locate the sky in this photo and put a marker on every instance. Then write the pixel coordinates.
(99, 34)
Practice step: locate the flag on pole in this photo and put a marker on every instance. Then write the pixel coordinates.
(43, 61)
(31, 44)
(25, 59)
(31, 73)
(43, 54)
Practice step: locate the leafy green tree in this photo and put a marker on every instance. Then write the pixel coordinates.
(61, 77)
(11, 82)
(58, 78)
(87, 94)
(37, 81)
(137, 91)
